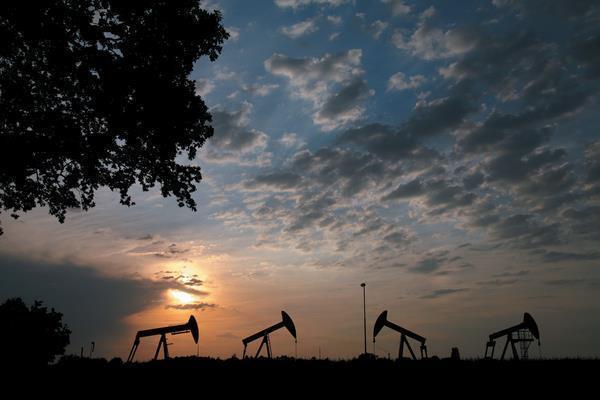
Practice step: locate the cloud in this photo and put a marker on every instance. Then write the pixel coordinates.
(498, 282)
(204, 87)
(431, 43)
(560, 256)
(377, 28)
(257, 89)
(234, 33)
(398, 82)
(407, 190)
(398, 238)
(345, 106)
(562, 8)
(398, 7)
(387, 142)
(583, 221)
(146, 237)
(592, 162)
(335, 19)
(233, 138)
(224, 74)
(300, 29)
(428, 13)
(565, 282)
(487, 152)
(228, 335)
(442, 292)
(430, 262)
(276, 180)
(232, 132)
(525, 231)
(585, 52)
(191, 306)
(301, 3)
(331, 83)
(440, 195)
(290, 140)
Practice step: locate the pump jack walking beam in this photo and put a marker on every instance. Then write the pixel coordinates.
(191, 326)
(286, 322)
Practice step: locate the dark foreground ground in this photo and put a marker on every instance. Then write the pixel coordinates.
(289, 378)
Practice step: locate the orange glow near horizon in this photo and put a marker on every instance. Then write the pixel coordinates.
(181, 296)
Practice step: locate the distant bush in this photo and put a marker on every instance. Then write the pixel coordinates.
(33, 335)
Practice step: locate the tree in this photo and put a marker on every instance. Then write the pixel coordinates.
(95, 93)
(33, 336)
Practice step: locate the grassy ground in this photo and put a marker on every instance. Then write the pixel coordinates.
(286, 377)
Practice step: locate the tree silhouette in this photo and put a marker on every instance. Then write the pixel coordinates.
(95, 93)
(34, 336)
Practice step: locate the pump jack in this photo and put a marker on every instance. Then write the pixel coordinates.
(522, 333)
(404, 333)
(286, 321)
(191, 326)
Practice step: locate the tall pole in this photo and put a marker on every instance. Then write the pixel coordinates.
(364, 314)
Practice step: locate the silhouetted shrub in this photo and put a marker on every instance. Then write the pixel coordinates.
(33, 335)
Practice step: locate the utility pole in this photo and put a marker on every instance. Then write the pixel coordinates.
(363, 285)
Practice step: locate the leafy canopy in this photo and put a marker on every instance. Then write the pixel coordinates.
(95, 93)
(34, 335)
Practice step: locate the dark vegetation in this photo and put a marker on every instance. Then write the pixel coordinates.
(31, 336)
(95, 93)
(284, 377)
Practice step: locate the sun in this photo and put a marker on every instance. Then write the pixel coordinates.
(181, 296)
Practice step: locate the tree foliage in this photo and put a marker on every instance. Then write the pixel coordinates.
(33, 335)
(96, 93)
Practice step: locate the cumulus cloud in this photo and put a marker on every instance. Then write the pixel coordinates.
(290, 140)
(398, 81)
(277, 180)
(300, 29)
(204, 87)
(234, 33)
(232, 131)
(398, 7)
(344, 106)
(300, 3)
(430, 43)
(377, 28)
(430, 263)
(257, 89)
(332, 83)
(335, 19)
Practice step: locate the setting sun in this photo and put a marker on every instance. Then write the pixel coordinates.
(182, 297)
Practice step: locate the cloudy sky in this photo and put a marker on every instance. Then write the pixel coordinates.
(446, 153)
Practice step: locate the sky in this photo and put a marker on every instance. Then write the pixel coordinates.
(445, 153)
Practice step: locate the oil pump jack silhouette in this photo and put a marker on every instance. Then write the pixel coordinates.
(523, 334)
(190, 327)
(286, 322)
(404, 333)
